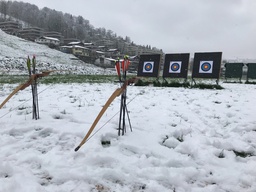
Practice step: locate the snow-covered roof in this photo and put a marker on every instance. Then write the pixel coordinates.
(66, 46)
(49, 38)
(100, 52)
(78, 46)
(75, 43)
(88, 44)
(133, 57)
(110, 59)
(112, 50)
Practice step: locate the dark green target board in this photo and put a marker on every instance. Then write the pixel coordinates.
(149, 65)
(234, 70)
(251, 72)
(176, 65)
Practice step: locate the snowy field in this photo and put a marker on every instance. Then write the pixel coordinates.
(182, 140)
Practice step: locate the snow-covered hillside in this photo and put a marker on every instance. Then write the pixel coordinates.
(14, 52)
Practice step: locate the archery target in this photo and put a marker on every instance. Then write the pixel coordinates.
(148, 67)
(205, 66)
(175, 67)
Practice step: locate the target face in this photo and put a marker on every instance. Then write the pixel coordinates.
(148, 67)
(175, 67)
(205, 66)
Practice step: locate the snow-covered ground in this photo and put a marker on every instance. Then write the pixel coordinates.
(14, 52)
(183, 140)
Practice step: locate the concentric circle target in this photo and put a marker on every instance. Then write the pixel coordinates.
(206, 66)
(148, 66)
(175, 67)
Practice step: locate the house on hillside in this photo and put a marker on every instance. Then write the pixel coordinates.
(80, 43)
(51, 42)
(10, 27)
(113, 53)
(80, 51)
(54, 34)
(105, 42)
(77, 50)
(105, 62)
(83, 51)
(76, 43)
(89, 45)
(100, 54)
(66, 49)
(31, 33)
(68, 40)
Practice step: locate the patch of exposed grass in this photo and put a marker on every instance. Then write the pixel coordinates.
(250, 82)
(55, 79)
(242, 154)
(158, 83)
(13, 79)
(175, 84)
(140, 82)
(207, 86)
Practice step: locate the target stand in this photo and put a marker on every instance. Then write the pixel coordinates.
(207, 66)
(148, 68)
(176, 68)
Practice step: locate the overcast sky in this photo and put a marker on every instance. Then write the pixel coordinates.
(176, 26)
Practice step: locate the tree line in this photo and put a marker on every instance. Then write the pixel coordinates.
(51, 20)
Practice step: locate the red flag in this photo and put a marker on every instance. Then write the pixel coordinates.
(118, 68)
(125, 64)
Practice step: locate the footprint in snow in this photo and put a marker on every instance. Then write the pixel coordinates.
(45, 132)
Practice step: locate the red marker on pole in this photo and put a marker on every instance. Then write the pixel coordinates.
(118, 69)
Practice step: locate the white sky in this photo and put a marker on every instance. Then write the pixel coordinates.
(173, 25)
